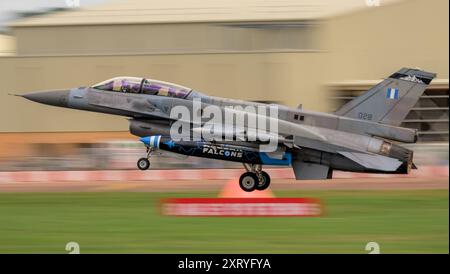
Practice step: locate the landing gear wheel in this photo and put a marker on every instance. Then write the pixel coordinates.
(248, 181)
(265, 182)
(143, 163)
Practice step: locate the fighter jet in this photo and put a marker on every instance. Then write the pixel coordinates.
(361, 136)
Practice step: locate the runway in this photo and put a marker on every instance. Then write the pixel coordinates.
(217, 185)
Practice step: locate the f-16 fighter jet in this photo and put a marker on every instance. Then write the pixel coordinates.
(361, 136)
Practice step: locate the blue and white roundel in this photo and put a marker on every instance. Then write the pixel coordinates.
(392, 93)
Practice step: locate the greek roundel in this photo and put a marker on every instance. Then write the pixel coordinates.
(392, 93)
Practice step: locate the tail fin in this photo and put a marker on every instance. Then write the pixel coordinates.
(389, 101)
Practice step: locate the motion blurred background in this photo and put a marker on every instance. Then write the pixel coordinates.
(318, 53)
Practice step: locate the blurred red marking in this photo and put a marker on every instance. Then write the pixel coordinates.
(242, 207)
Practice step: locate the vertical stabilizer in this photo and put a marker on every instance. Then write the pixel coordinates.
(389, 101)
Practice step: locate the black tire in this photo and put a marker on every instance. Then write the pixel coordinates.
(143, 164)
(248, 181)
(265, 183)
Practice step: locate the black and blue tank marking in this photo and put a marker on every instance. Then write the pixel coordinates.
(215, 151)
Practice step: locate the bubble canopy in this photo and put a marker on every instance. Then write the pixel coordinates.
(143, 86)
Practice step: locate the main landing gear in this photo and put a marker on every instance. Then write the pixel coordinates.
(144, 162)
(254, 178)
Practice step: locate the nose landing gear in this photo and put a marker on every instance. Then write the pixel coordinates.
(144, 162)
(254, 178)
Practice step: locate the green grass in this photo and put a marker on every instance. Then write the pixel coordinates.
(399, 221)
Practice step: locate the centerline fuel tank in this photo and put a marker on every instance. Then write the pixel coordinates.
(215, 150)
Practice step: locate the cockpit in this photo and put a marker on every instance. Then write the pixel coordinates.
(143, 86)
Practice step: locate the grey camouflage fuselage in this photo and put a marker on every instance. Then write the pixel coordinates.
(360, 137)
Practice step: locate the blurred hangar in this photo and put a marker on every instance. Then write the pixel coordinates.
(318, 53)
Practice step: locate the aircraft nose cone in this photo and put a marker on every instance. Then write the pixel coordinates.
(57, 98)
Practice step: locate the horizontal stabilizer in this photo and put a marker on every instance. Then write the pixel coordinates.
(376, 162)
